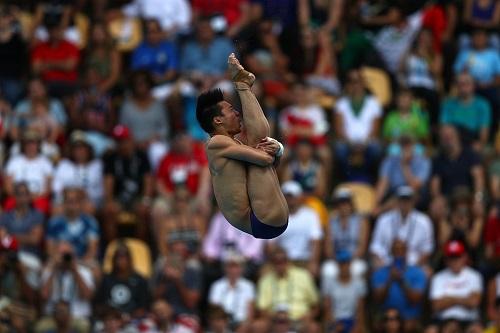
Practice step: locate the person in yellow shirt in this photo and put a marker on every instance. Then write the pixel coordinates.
(495, 326)
(286, 286)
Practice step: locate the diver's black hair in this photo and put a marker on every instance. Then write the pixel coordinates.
(207, 108)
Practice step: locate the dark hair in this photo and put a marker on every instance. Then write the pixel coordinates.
(217, 312)
(138, 75)
(207, 108)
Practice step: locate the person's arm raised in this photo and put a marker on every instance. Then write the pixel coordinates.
(228, 148)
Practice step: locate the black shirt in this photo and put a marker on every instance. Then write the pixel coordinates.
(14, 57)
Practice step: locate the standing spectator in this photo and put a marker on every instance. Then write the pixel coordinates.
(407, 224)
(56, 61)
(128, 185)
(456, 166)
(357, 126)
(456, 291)
(346, 231)
(74, 227)
(303, 237)
(469, 113)
(24, 222)
(235, 294)
(31, 167)
(123, 288)
(344, 298)
(400, 286)
(290, 288)
(173, 15)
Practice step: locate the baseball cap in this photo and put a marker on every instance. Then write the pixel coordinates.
(78, 137)
(8, 243)
(343, 256)
(233, 257)
(342, 194)
(121, 132)
(454, 248)
(405, 192)
(31, 135)
(291, 188)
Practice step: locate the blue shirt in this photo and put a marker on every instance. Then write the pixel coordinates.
(414, 277)
(78, 232)
(22, 225)
(482, 65)
(157, 59)
(391, 168)
(210, 60)
(473, 116)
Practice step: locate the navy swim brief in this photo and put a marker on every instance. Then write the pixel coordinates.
(265, 231)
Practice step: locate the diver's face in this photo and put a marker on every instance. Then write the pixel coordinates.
(230, 118)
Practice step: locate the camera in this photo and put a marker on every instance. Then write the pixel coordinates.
(67, 258)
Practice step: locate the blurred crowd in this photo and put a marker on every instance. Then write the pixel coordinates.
(389, 113)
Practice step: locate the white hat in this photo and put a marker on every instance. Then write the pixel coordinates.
(292, 188)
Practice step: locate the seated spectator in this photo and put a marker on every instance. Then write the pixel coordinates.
(156, 55)
(204, 58)
(81, 170)
(218, 320)
(123, 288)
(422, 71)
(469, 113)
(24, 222)
(408, 119)
(182, 223)
(492, 236)
(234, 294)
(401, 286)
(61, 321)
(346, 231)
(494, 171)
(303, 237)
(408, 167)
(165, 321)
(56, 61)
(392, 322)
(492, 296)
(455, 292)
(357, 125)
(234, 15)
(74, 227)
(495, 326)
(128, 185)
(455, 166)
(31, 167)
(173, 15)
(63, 278)
(281, 322)
(404, 223)
(483, 14)
(323, 16)
(304, 168)
(344, 298)
(185, 164)
(274, 295)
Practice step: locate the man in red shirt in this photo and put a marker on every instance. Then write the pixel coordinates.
(185, 164)
(56, 61)
(492, 236)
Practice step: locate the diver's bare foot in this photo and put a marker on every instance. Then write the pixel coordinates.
(238, 74)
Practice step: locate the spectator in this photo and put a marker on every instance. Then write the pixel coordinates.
(492, 236)
(80, 170)
(325, 16)
(303, 237)
(281, 322)
(128, 184)
(482, 14)
(344, 298)
(14, 54)
(357, 122)
(492, 296)
(401, 286)
(63, 278)
(306, 170)
(74, 227)
(24, 222)
(173, 15)
(469, 113)
(123, 288)
(218, 320)
(455, 292)
(495, 326)
(392, 321)
(347, 231)
(235, 294)
(456, 166)
(156, 55)
(405, 223)
(56, 61)
(408, 167)
(494, 171)
(233, 15)
(61, 321)
(31, 167)
(165, 321)
(288, 287)
(184, 165)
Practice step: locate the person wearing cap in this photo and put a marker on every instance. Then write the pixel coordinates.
(234, 293)
(456, 291)
(128, 184)
(303, 238)
(346, 231)
(405, 223)
(80, 169)
(401, 286)
(343, 298)
(32, 167)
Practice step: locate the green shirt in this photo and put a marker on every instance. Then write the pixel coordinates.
(414, 124)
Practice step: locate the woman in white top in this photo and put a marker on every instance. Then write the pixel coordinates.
(80, 169)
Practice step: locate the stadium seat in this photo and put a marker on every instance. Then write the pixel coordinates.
(378, 83)
(126, 32)
(141, 256)
(363, 196)
(319, 207)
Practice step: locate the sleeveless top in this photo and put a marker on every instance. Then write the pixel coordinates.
(419, 74)
(346, 239)
(483, 13)
(306, 178)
